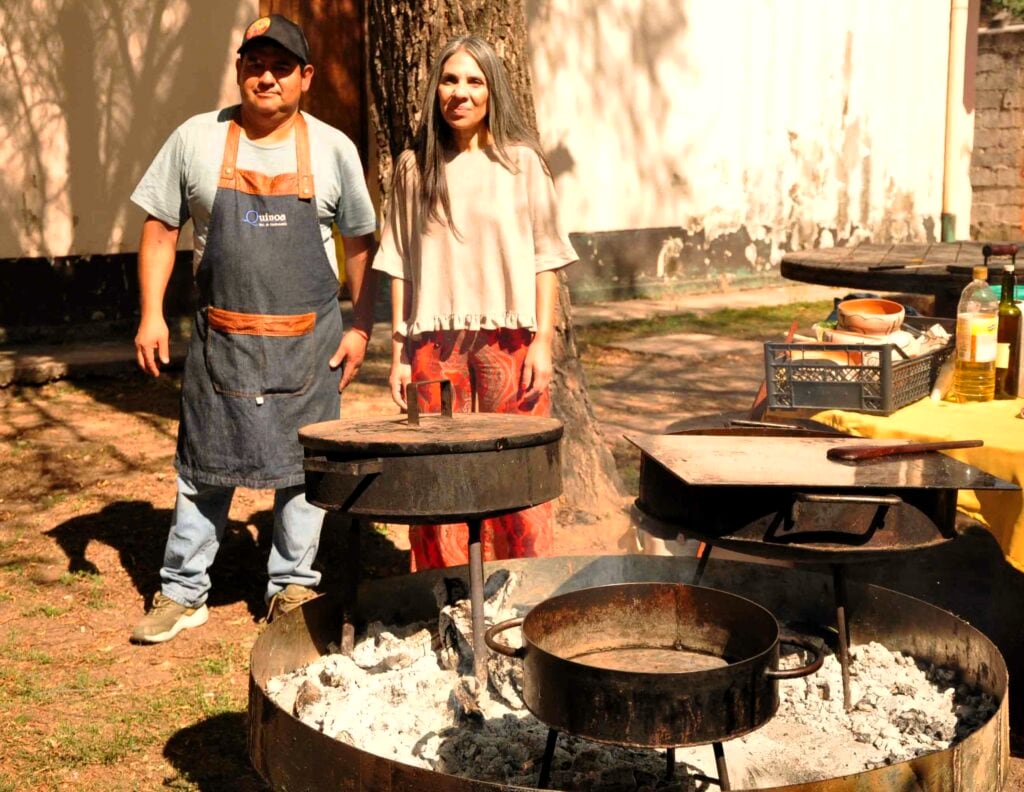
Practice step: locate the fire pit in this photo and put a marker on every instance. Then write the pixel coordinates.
(776, 494)
(292, 755)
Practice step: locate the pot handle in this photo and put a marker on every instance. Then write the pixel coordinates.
(826, 497)
(795, 673)
(361, 467)
(497, 646)
(413, 406)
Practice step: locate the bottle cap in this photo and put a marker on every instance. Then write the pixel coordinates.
(1008, 268)
(980, 273)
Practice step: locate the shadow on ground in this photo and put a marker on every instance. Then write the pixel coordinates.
(138, 532)
(212, 754)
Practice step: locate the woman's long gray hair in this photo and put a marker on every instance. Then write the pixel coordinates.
(504, 120)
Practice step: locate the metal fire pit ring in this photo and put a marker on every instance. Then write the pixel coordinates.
(651, 665)
(290, 755)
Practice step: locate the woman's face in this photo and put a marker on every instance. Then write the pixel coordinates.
(462, 93)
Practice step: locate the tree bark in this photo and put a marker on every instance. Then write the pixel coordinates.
(404, 36)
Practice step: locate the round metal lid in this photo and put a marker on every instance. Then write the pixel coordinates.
(460, 433)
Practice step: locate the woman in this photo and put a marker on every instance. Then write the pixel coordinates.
(472, 245)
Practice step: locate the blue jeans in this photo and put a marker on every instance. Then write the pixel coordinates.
(200, 514)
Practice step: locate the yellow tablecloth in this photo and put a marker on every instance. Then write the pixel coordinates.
(994, 422)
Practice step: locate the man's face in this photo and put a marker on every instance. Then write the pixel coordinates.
(271, 80)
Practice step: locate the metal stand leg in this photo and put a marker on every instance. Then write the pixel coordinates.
(476, 599)
(723, 771)
(545, 763)
(702, 562)
(351, 589)
(839, 591)
(670, 765)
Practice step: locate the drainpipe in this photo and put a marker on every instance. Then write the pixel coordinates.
(959, 142)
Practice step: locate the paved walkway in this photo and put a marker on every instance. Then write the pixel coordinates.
(38, 364)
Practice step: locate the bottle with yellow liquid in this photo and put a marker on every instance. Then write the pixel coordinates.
(977, 322)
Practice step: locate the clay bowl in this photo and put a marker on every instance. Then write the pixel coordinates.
(870, 316)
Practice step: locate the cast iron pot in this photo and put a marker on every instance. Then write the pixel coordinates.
(447, 467)
(653, 665)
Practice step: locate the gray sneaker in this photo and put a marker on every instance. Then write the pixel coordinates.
(166, 619)
(288, 599)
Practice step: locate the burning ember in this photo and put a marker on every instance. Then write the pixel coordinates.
(408, 694)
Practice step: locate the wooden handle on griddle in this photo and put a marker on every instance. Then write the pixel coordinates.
(855, 453)
(999, 250)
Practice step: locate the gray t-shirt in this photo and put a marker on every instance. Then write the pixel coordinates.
(181, 182)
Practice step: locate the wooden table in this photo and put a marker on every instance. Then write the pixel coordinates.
(941, 269)
(1002, 455)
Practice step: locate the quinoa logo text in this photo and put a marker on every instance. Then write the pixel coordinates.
(264, 219)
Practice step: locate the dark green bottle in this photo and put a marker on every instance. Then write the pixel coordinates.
(1008, 350)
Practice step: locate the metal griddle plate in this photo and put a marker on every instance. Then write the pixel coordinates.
(461, 433)
(801, 462)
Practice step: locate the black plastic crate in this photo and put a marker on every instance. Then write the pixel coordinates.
(863, 378)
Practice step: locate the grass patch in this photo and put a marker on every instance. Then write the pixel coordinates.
(34, 656)
(748, 324)
(98, 659)
(49, 611)
(627, 462)
(23, 687)
(95, 597)
(93, 743)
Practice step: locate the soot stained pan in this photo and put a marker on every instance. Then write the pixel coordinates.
(651, 664)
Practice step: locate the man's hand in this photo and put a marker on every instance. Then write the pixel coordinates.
(351, 352)
(156, 261)
(152, 337)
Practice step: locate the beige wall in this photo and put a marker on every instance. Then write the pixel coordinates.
(90, 90)
(799, 121)
(805, 122)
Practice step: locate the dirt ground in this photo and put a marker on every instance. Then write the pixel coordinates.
(86, 489)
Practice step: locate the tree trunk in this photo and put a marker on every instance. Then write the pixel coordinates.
(404, 36)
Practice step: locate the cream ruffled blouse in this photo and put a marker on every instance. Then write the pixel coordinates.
(484, 278)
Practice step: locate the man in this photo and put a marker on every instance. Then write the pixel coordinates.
(262, 183)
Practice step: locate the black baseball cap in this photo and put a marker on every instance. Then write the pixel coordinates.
(281, 31)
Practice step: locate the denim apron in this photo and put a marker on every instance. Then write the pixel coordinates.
(268, 322)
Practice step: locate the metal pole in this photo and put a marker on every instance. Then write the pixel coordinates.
(702, 561)
(351, 588)
(839, 591)
(476, 599)
(549, 755)
(723, 771)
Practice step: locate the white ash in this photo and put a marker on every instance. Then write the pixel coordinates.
(900, 706)
(408, 694)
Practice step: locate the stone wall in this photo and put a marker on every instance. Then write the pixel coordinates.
(997, 164)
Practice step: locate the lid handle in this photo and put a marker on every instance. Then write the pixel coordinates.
(413, 406)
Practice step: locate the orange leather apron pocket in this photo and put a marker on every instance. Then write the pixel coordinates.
(253, 355)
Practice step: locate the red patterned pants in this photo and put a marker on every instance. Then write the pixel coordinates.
(485, 365)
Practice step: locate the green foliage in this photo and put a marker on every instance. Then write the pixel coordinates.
(1014, 7)
(751, 324)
